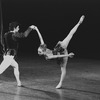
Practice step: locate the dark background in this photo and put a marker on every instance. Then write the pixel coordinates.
(55, 18)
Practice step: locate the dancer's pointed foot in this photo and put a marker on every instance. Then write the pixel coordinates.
(81, 19)
(59, 86)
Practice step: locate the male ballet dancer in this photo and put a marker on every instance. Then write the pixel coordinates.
(11, 46)
(60, 51)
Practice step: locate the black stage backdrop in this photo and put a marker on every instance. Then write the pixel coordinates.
(55, 18)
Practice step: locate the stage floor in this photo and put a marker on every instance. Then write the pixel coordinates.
(40, 77)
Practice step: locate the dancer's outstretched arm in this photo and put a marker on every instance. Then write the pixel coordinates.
(59, 56)
(39, 34)
(66, 41)
(42, 47)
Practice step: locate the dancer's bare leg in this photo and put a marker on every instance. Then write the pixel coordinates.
(64, 45)
(63, 72)
(14, 64)
(66, 41)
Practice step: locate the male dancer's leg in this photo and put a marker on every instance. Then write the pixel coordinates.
(66, 41)
(5, 63)
(14, 64)
(63, 72)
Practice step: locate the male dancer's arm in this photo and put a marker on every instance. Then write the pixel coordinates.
(24, 34)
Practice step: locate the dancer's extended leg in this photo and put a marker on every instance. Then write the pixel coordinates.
(64, 45)
(66, 41)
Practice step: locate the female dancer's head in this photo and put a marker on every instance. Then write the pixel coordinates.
(42, 49)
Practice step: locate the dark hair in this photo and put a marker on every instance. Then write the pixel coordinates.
(13, 25)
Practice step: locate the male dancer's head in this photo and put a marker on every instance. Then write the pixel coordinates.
(14, 27)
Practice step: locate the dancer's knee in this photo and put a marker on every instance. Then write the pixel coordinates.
(15, 66)
(63, 70)
(1, 71)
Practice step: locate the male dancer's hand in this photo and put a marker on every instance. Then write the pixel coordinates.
(33, 27)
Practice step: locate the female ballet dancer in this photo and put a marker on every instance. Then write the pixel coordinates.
(60, 50)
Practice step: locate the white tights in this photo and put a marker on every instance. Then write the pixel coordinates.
(7, 61)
